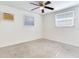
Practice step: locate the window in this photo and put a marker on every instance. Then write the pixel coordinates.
(64, 19)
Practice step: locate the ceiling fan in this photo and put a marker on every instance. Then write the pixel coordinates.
(42, 5)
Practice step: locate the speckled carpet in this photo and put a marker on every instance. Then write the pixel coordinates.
(41, 48)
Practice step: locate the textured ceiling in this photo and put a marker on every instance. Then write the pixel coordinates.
(25, 5)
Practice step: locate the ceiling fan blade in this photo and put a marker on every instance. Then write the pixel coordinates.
(42, 10)
(49, 8)
(34, 8)
(48, 2)
(34, 4)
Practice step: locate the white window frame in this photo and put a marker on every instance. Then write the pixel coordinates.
(72, 19)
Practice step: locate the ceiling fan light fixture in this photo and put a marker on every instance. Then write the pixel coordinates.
(42, 7)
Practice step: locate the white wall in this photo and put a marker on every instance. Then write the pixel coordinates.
(14, 32)
(65, 35)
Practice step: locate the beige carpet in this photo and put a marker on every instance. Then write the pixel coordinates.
(41, 48)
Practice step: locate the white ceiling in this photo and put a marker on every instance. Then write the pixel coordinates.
(25, 5)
